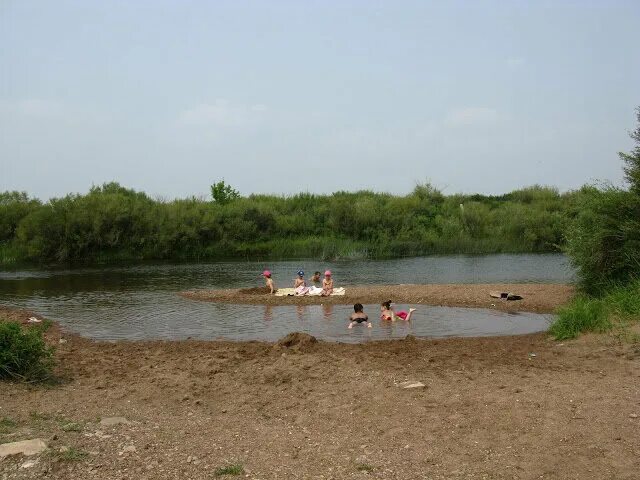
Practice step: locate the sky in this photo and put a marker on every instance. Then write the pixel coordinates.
(283, 97)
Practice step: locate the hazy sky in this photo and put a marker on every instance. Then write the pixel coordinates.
(288, 96)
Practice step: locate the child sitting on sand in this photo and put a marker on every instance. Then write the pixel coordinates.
(299, 285)
(387, 312)
(269, 281)
(358, 316)
(327, 284)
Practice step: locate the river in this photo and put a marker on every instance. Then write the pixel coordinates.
(141, 302)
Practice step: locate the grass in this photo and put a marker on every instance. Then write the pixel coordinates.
(6, 425)
(24, 353)
(617, 310)
(364, 467)
(71, 454)
(38, 417)
(235, 469)
(71, 427)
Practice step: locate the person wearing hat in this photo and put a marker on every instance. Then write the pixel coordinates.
(299, 285)
(269, 281)
(327, 284)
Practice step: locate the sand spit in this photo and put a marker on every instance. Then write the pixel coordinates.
(539, 298)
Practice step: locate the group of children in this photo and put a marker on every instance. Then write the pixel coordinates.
(386, 313)
(322, 287)
(326, 288)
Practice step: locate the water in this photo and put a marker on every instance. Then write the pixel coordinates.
(141, 302)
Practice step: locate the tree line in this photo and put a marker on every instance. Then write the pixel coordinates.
(111, 223)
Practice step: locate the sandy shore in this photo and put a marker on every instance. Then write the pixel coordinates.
(541, 298)
(506, 407)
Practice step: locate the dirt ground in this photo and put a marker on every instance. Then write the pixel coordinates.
(541, 298)
(524, 407)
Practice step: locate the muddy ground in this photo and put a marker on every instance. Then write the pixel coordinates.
(541, 298)
(492, 408)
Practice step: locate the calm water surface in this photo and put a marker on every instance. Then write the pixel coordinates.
(141, 302)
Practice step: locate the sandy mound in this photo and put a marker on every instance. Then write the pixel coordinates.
(254, 291)
(297, 341)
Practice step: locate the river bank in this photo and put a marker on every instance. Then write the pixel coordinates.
(539, 298)
(497, 407)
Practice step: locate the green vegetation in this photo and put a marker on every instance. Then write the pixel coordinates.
(223, 194)
(603, 242)
(6, 425)
(69, 454)
(71, 427)
(235, 469)
(24, 354)
(616, 309)
(364, 467)
(113, 223)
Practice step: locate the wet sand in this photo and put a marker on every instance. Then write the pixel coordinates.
(538, 298)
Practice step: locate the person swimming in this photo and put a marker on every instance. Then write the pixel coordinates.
(387, 313)
(358, 316)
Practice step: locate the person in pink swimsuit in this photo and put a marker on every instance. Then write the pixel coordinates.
(327, 284)
(387, 313)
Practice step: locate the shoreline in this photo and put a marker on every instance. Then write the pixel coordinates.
(537, 297)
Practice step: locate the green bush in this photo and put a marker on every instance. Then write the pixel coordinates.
(24, 354)
(603, 241)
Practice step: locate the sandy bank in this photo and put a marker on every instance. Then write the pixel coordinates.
(502, 407)
(540, 298)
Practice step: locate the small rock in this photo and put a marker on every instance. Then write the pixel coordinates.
(25, 447)
(62, 340)
(189, 459)
(29, 463)
(110, 421)
(63, 449)
(633, 415)
(412, 384)
(129, 449)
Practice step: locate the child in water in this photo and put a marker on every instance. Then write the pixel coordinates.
(299, 285)
(327, 284)
(387, 312)
(316, 279)
(358, 316)
(269, 281)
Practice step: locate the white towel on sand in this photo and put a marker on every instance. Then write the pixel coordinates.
(313, 291)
